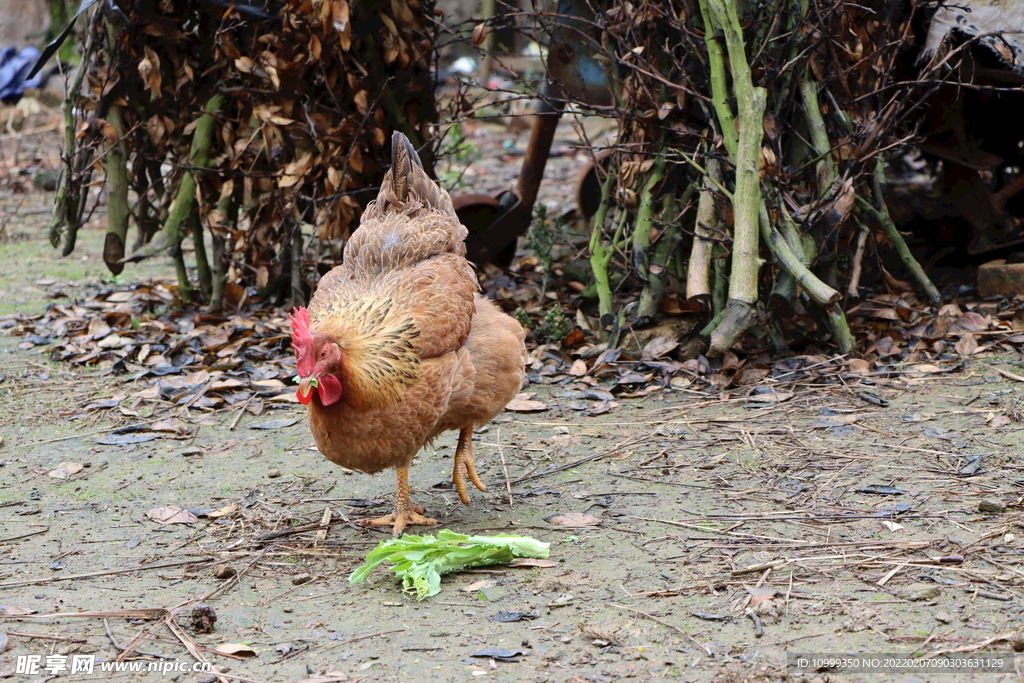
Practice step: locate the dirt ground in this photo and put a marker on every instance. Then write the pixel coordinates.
(878, 515)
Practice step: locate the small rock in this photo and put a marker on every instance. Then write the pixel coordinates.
(274, 473)
(224, 572)
(943, 617)
(991, 507)
(919, 591)
(301, 579)
(288, 610)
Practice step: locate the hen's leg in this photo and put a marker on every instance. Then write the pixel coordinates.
(464, 464)
(405, 513)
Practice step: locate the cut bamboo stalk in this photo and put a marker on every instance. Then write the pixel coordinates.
(740, 313)
(118, 210)
(698, 276)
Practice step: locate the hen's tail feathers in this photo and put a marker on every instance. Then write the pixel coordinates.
(407, 187)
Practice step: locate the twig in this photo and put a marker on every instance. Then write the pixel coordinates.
(238, 415)
(504, 467)
(758, 629)
(109, 572)
(693, 640)
(120, 648)
(31, 533)
(194, 651)
(43, 636)
(356, 640)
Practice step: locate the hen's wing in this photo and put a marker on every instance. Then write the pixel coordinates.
(490, 369)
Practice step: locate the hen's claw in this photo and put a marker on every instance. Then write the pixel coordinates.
(399, 520)
(405, 512)
(465, 465)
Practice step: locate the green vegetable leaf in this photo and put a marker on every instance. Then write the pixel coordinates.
(421, 560)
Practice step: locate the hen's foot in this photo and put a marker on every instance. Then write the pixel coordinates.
(398, 520)
(465, 466)
(405, 513)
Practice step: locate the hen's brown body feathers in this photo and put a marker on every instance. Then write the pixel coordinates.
(422, 352)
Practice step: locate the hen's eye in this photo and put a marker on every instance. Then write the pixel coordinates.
(323, 352)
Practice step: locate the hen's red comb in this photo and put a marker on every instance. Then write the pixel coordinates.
(302, 337)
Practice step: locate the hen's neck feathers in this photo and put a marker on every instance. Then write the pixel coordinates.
(378, 348)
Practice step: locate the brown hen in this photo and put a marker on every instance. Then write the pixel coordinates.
(398, 344)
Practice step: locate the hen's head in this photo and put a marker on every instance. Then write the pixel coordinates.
(318, 360)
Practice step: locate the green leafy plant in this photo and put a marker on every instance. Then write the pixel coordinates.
(420, 560)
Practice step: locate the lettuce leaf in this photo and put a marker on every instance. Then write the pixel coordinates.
(421, 560)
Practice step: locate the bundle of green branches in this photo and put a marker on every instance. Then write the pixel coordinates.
(748, 175)
(237, 124)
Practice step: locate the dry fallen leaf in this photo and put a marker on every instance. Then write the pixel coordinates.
(523, 404)
(859, 365)
(171, 514)
(892, 526)
(579, 368)
(999, 421)
(237, 649)
(532, 562)
(759, 594)
(224, 511)
(65, 470)
(573, 519)
(967, 345)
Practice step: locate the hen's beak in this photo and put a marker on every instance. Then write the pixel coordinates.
(306, 386)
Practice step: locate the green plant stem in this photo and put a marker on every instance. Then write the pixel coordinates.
(202, 262)
(600, 253)
(644, 220)
(719, 88)
(116, 159)
(826, 166)
(898, 243)
(661, 261)
(70, 197)
(740, 314)
(794, 264)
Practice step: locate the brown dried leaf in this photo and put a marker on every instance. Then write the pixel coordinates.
(237, 649)
(65, 470)
(967, 346)
(573, 519)
(522, 404)
(149, 69)
(171, 514)
(859, 365)
(532, 562)
(661, 346)
(479, 34)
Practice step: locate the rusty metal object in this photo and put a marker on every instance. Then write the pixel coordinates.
(510, 214)
(588, 185)
(493, 227)
(574, 71)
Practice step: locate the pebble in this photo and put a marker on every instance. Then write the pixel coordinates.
(224, 572)
(991, 507)
(274, 473)
(301, 579)
(944, 617)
